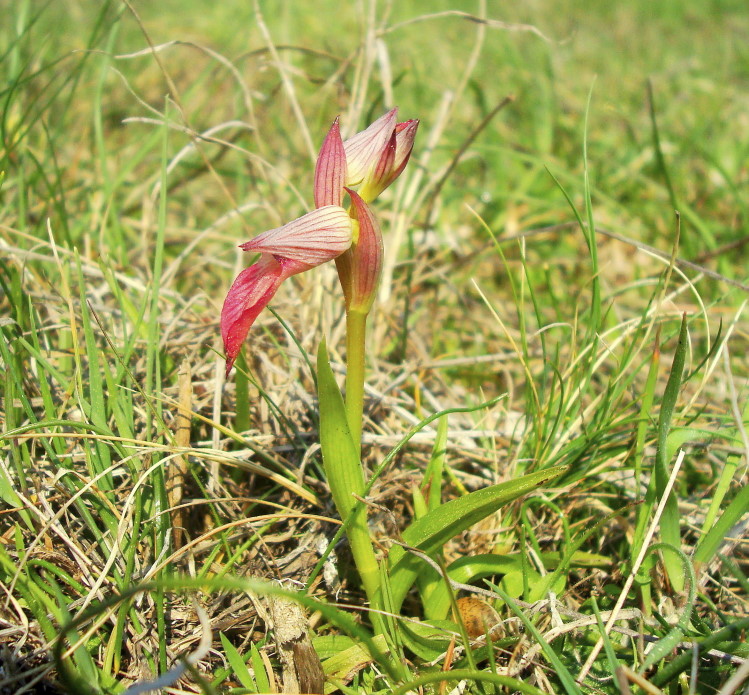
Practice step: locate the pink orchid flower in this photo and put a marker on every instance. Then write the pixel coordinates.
(371, 160)
(313, 239)
(374, 158)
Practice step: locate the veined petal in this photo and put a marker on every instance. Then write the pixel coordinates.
(330, 169)
(379, 177)
(364, 149)
(360, 268)
(250, 293)
(312, 239)
(393, 160)
(405, 133)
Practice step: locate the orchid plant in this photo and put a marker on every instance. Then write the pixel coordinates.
(361, 167)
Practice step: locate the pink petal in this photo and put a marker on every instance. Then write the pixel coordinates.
(250, 293)
(330, 169)
(384, 166)
(312, 239)
(405, 133)
(364, 149)
(360, 268)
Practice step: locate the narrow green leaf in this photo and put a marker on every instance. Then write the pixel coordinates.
(432, 484)
(568, 682)
(667, 644)
(711, 541)
(676, 204)
(100, 456)
(340, 459)
(346, 478)
(343, 656)
(238, 666)
(646, 406)
(589, 231)
(607, 645)
(258, 667)
(684, 660)
(670, 520)
(432, 531)
(429, 639)
(507, 683)
(724, 484)
(428, 497)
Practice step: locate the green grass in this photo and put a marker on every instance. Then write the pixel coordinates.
(534, 263)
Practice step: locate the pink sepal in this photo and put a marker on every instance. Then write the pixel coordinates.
(364, 150)
(360, 268)
(314, 238)
(330, 169)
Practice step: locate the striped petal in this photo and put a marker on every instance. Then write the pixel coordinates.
(248, 296)
(364, 150)
(360, 268)
(330, 169)
(314, 238)
(377, 156)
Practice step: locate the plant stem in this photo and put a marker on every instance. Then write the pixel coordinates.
(365, 560)
(358, 531)
(356, 331)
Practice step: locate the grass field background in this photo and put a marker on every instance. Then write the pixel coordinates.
(535, 261)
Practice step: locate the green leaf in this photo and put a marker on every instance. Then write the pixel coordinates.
(350, 656)
(427, 640)
(711, 541)
(465, 570)
(568, 682)
(470, 568)
(665, 646)
(604, 636)
(343, 469)
(432, 531)
(340, 458)
(258, 667)
(427, 498)
(238, 666)
(432, 483)
(671, 519)
(507, 683)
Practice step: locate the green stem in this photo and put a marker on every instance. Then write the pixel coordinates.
(358, 533)
(366, 564)
(356, 331)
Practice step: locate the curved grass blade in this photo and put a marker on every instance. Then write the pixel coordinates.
(668, 643)
(568, 682)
